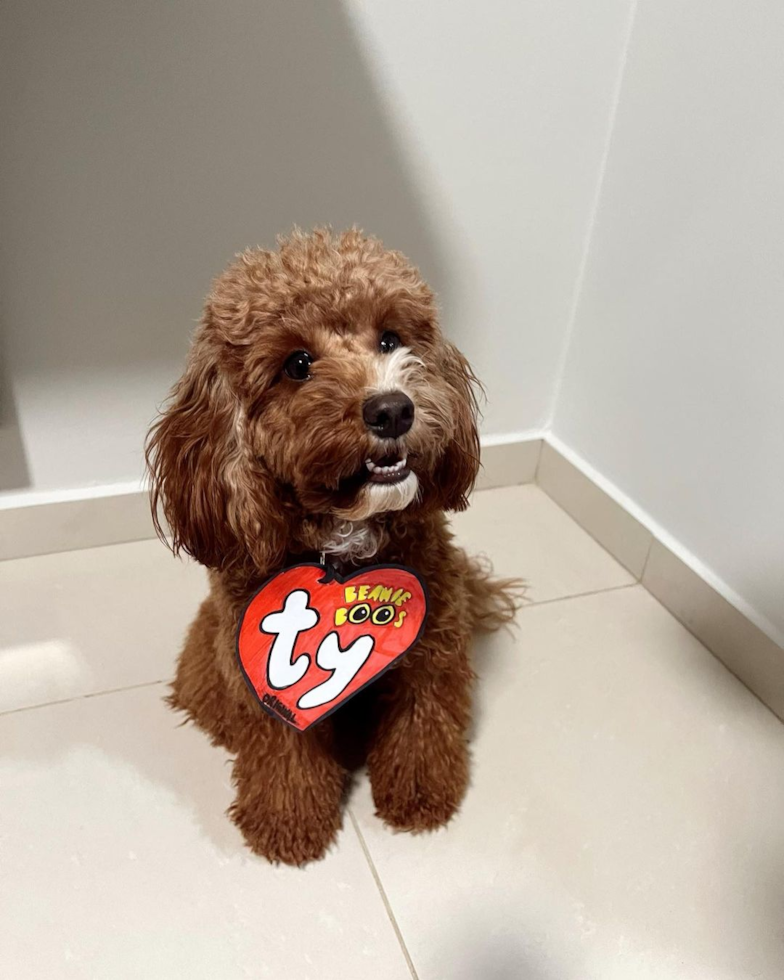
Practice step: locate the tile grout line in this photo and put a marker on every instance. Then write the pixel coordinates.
(579, 595)
(656, 535)
(653, 539)
(382, 893)
(723, 663)
(136, 687)
(592, 536)
(79, 547)
(83, 697)
(539, 454)
(647, 559)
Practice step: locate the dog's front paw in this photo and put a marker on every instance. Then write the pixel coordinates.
(286, 838)
(418, 783)
(418, 792)
(417, 811)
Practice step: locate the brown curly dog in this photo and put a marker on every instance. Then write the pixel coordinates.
(321, 410)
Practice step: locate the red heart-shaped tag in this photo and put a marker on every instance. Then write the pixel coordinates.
(310, 639)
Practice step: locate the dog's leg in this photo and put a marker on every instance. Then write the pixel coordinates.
(289, 789)
(199, 688)
(418, 761)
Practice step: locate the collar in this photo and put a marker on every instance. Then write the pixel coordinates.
(339, 565)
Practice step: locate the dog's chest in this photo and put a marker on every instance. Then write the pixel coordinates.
(352, 541)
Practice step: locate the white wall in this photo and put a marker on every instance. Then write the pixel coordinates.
(144, 143)
(674, 384)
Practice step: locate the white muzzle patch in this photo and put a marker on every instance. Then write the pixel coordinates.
(395, 372)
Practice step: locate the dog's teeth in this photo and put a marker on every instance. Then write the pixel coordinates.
(386, 470)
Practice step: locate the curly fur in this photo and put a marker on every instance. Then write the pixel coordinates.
(250, 469)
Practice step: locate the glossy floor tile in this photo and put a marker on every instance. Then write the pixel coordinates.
(104, 618)
(79, 622)
(527, 535)
(595, 510)
(624, 820)
(117, 861)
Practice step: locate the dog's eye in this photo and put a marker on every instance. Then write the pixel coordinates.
(297, 365)
(389, 342)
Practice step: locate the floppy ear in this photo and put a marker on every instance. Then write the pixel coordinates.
(220, 505)
(456, 473)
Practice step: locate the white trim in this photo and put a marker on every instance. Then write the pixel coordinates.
(508, 462)
(45, 521)
(105, 515)
(505, 438)
(39, 522)
(34, 498)
(668, 540)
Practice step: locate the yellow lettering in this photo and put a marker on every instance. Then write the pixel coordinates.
(341, 615)
(351, 593)
(401, 597)
(363, 592)
(380, 593)
(400, 618)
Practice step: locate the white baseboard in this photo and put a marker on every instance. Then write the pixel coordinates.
(750, 646)
(35, 524)
(44, 522)
(509, 460)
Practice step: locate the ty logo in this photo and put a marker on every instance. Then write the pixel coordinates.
(309, 640)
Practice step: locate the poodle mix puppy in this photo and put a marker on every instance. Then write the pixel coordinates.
(322, 412)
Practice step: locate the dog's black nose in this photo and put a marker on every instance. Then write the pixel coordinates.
(389, 415)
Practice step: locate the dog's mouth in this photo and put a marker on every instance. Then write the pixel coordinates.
(379, 471)
(391, 468)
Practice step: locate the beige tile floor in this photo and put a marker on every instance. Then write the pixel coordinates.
(626, 818)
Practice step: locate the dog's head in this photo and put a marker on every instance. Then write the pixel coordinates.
(319, 386)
